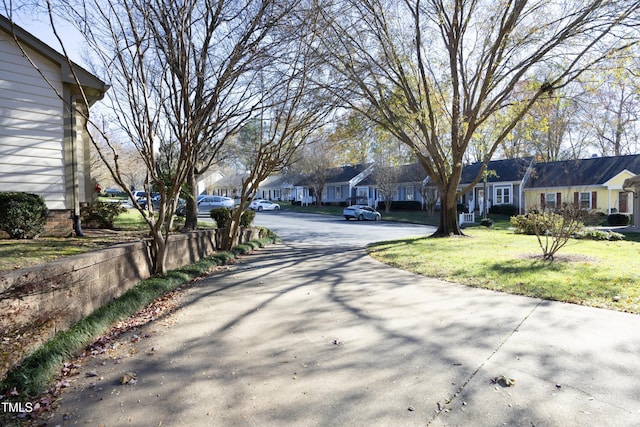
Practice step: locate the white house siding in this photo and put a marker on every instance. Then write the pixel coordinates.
(31, 126)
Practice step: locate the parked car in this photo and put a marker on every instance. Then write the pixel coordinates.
(138, 194)
(206, 203)
(361, 213)
(264, 205)
(155, 201)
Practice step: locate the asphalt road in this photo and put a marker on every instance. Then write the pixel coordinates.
(313, 332)
(328, 230)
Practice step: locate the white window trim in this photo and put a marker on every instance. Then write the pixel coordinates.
(409, 192)
(553, 198)
(580, 199)
(502, 187)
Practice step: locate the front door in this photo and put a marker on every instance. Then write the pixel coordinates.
(623, 202)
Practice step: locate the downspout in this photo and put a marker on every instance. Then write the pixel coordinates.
(77, 226)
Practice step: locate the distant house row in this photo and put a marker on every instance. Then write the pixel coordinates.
(596, 183)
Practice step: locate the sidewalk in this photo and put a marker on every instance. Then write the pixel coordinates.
(302, 336)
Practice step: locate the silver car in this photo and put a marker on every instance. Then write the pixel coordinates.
(361, 213)
(206, 203)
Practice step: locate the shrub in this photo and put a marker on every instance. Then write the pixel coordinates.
(487, 222)
(100, 214)
(22, 215)
(247, 218)
(526, 224)
(222, 216)
(402, 205)
(594, 234)
(618, 219)
(508, 210)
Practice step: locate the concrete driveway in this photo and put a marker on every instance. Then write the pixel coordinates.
(306, 334)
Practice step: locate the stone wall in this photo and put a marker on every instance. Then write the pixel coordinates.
(50, 297)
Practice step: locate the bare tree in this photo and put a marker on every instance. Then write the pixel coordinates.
(434, 72)
(612, 111)
(292, 109)
(315, 162)
(182, 80)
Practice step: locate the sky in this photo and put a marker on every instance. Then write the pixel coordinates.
(40, 27)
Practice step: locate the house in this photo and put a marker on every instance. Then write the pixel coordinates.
(228, 186)
(503, 184)
(407, 179)
(44, 148)
(290, 187)
(340, 185)
(596, 183)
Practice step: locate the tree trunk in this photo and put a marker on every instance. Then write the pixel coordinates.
(232, 229)
(191, 208)
(448, 216)
(159, 253)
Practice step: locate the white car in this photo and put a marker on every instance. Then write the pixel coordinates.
(206, 203)
(361, 213)
(264, 205)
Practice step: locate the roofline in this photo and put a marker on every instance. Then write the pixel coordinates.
(87, 79)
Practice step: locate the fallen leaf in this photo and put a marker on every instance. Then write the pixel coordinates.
(504, 381)
(129, 378)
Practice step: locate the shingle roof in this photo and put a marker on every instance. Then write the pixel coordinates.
(279, 181)
(345, 173)
(507, 170)
(411, 173)
(592, 171)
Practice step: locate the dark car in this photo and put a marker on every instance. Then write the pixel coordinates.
(361, 213)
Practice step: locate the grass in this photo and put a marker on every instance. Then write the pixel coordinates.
(594, 273)
(16, 254)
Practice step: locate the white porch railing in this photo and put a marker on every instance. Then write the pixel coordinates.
(467, 217)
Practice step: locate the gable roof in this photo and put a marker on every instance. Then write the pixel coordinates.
(506, 170)
(345, 173)
(283, 181)
(410, 173)
(582, 172)
(94, 87)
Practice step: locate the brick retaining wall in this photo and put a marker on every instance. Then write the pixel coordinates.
(50, 297)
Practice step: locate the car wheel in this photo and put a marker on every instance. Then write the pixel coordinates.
(360, 218)
(347, 218)
(376, 218)
(277, 208)
(259, 208)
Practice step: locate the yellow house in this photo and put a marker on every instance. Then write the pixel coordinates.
(596, 183)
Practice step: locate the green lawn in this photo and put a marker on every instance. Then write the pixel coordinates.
(595, 273)
(16, 254)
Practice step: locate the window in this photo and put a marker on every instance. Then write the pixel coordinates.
(585, 200)
(410, 192)
(338, 193)
(503, 195)
(550, 200)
